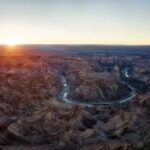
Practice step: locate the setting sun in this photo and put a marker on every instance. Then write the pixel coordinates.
(11, 42)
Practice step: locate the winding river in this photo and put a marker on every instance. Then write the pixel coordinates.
(65, 92)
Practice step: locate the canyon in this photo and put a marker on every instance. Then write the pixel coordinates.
(74, 100)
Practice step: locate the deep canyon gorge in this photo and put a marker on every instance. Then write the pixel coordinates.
(74, 101)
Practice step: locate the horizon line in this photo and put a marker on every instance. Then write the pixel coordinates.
(65, 44)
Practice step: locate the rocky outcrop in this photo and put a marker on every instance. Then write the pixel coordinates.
(97, 87)
(66, 127)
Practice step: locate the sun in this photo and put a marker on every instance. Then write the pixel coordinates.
(12, 42)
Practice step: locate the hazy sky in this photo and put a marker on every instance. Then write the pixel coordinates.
(75, 21)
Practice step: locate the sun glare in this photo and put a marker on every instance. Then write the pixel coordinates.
(11, 42)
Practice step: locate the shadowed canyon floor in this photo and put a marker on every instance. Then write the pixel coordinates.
(74, 102)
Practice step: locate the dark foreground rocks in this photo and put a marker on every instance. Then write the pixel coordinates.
(63, 127)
